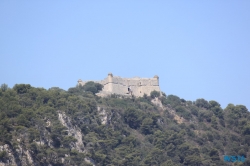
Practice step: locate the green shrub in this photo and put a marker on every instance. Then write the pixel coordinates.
(133, 118)
(3, 155)
(4, 87)
(173, 100)
(202, 103)
(154, 94)
(92, 87)
(147, 126)
(183, 112)
(194, 110)
(21, 88)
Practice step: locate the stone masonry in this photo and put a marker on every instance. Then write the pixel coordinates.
(127, 86)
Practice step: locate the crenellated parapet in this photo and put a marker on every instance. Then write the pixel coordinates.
(124, 86)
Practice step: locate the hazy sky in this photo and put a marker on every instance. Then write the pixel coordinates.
(199, 49)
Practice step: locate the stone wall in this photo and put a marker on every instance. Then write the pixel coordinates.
(117, 85)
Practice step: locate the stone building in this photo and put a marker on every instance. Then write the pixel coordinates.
(127, 86)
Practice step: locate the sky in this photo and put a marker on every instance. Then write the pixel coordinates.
(199, 49)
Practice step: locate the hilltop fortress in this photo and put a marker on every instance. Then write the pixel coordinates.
(127, 86)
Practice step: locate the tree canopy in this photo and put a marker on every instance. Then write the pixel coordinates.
(116, 130)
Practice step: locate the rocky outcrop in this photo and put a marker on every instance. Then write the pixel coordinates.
(103, 115)
(156, 101)
(9, 158)
(17, 156)
(72, 131)
(76, 133)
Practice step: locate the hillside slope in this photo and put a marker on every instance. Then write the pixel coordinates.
(75, 127)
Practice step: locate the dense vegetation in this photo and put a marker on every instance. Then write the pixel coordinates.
(136, 131)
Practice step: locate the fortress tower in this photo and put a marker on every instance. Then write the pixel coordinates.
(124, 86)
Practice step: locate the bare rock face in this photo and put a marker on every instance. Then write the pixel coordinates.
(19, 156)
(9, 153)
(103, 115)
(156, 101)
(27, 159)
(76, 133)
(72, 131)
